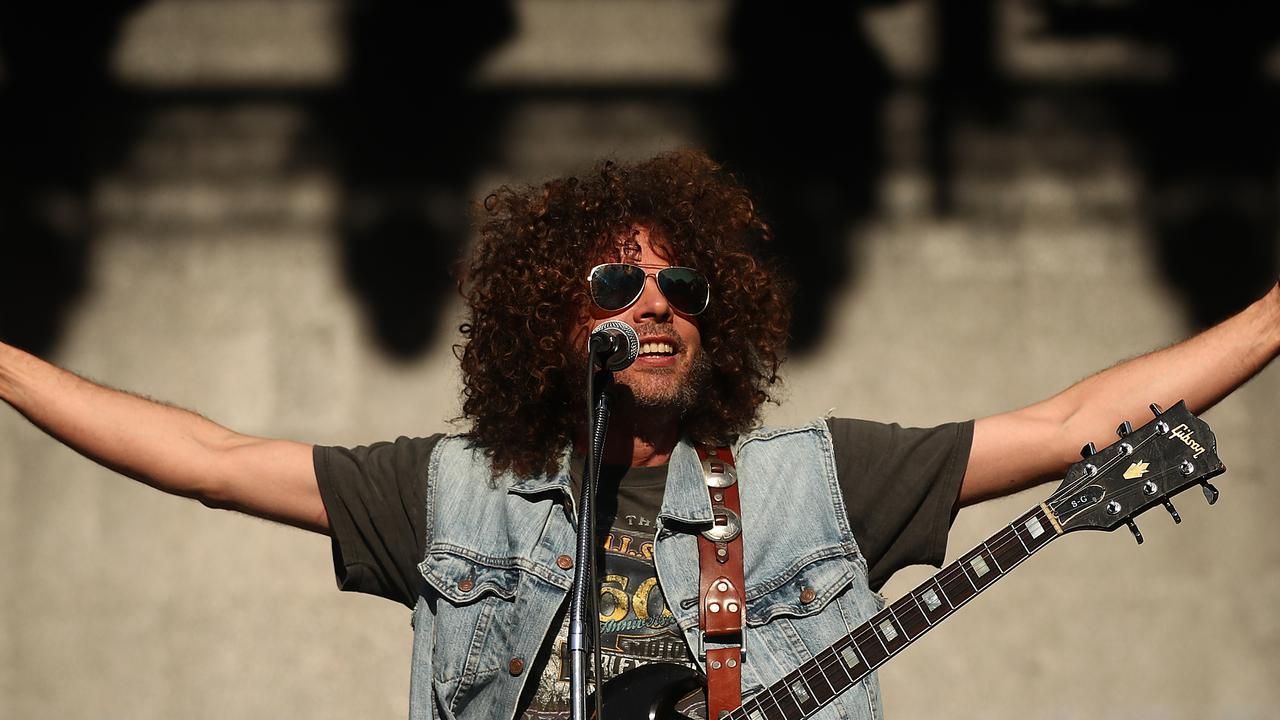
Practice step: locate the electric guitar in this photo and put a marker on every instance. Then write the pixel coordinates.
(1105, 490)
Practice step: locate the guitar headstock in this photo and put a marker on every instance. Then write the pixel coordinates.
(1144, 468)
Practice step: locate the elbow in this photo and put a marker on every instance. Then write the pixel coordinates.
(214, 502)
(211, 493)
(214, 486)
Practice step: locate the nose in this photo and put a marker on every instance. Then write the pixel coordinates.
(652, 305)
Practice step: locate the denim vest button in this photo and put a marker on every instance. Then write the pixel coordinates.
(564, 562)
(465, 585)
(807, 595)
(516, 666)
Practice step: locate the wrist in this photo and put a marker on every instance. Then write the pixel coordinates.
(6, 372)
(11, 361)
(1271, 309)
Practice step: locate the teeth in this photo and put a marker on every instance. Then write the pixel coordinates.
(655, 348)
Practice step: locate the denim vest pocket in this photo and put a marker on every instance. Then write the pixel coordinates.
(806, 592)
(475, 599)
(465, 578)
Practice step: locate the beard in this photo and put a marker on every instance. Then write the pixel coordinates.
(674, 389)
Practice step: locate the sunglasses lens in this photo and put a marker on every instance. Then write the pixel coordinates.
(685, 288)
(616, 285)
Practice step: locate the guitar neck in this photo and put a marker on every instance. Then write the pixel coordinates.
(811, 686)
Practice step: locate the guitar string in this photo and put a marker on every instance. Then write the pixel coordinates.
(822, 667)
(944, 578)
(1106, 466)
(818, 665)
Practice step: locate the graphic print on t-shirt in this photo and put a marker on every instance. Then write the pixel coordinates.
(636, 626)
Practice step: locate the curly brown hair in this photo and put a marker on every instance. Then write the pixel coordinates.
(526, 293)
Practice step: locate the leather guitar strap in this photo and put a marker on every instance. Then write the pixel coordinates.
(721, 586)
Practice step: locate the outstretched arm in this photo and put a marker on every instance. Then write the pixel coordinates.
(168, 448)
(1018, 449)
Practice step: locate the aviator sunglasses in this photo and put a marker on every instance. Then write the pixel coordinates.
(615, 286)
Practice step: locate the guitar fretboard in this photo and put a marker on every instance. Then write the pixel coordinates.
(817, 682)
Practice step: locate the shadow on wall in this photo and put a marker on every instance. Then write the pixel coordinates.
(409, 135)
(799, 118)
(1207, 143)
(61, 123)
(800, 123)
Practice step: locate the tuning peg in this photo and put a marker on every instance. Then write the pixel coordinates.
(1177, 519)
(1156, 409)
(1125, 428)
(1133, 528)
(1088, 450)
(1210, 492)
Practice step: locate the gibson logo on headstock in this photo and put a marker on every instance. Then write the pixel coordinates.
(1184, 433)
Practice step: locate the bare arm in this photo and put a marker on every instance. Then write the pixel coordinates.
(1018, 449)
(165, 447)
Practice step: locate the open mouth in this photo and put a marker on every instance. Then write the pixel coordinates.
(656, 349)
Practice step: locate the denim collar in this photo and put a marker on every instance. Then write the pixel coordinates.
(684, 500)
(562, 481)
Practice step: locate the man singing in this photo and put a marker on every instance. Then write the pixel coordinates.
(475, 532)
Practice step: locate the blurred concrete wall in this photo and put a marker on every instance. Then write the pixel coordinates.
(215, 283)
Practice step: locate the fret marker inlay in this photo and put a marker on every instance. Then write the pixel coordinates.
(800, 691)
(979, 565)
(1034, 527)
(809, 688)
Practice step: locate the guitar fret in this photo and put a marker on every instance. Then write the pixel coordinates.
(846, 662)
(875, 633)
(1012, 552)
(941, 591)
(825, 661)
(911, 619)
(958, 585)
(977, 567)
(1014, 527)
(965, 573)
(823, 688)
(786, 704)
(761, 706)
(779, 709)
(890, 630)
(801, 692)
(916, 599)
(994, 559)
(873, 651)
(816, 683)
(1034, 530)
(897, 624)
(851, 657)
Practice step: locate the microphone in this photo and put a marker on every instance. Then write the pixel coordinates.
(614, 345)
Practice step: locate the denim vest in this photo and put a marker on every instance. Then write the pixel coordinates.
(494, 581)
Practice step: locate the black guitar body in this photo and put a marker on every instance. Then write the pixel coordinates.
(649, 692)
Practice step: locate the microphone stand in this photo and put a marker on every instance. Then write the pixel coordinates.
(585, 578)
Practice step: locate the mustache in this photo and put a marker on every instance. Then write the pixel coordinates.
(667, 330)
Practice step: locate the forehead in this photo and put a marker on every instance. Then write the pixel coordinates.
(643, 247)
